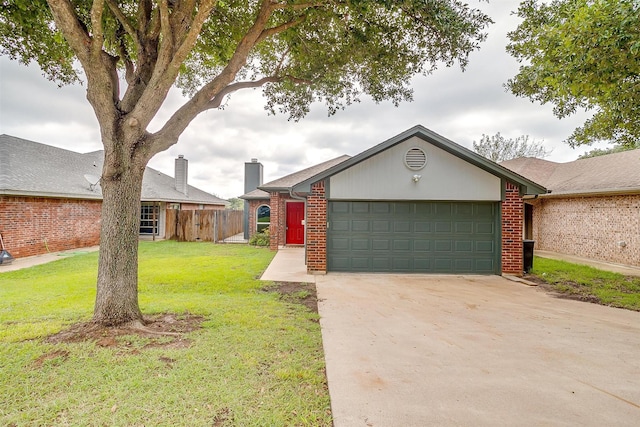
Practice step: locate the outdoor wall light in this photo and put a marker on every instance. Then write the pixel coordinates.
(416, 178)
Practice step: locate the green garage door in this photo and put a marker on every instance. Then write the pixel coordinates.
(416, 237)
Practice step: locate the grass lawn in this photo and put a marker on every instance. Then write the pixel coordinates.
(588, 283)
(256, 360)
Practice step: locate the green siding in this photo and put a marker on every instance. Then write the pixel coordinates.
(417, 237)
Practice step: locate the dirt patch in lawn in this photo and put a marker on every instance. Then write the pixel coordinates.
(54, 357)
(297, 293)
(565, 289)
(163, 331)
(168, 330)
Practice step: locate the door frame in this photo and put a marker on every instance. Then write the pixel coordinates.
(286, 222)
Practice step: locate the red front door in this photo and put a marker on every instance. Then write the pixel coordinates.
(295, 223)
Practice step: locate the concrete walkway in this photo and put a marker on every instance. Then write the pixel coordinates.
(288, 266)
(30, 261)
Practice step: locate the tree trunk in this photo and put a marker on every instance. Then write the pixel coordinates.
(117, 288)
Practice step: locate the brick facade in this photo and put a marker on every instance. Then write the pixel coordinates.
(37, 225)
(253, 210)
(590, 227)
(277, 211)
(317, 229)
(512, 222)
(278, 226)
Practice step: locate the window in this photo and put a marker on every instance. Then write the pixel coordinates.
(149, 213)
(263, 217)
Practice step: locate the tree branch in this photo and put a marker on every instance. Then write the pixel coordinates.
(280, 28)
(97, 41)
(122, 19)
(217, 100)
(192, 35)
(74, 32)
(99, 66)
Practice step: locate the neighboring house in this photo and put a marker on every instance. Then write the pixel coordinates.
(417, 202)
(50, 198)
(592, 210)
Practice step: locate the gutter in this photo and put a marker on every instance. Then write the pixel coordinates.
(594, 193)
(17, 193)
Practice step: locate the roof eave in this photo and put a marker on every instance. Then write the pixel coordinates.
(526, 186)
(171, 200)
(593, 193)
(275, 189)
(245, 197)
(21, 193)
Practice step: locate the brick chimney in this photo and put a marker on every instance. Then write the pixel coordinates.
(182, 171)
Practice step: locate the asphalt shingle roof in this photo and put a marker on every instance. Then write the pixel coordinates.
(611, 173)
(33, 169)
(287, 182)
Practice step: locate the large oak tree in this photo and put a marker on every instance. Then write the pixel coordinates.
(582, 54)
(130, 53)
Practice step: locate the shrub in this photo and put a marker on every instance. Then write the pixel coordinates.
(260, 238)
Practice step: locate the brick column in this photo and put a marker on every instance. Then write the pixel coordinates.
(274, 227)
(317, 230)
(512, 231)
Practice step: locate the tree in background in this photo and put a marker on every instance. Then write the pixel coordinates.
(582, 54)
(498, 148)
(236, 204)
(604, 151)
(297, 51)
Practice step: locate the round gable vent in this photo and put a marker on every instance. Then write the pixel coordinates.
(415, 158)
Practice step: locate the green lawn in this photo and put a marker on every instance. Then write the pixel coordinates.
(257, 360)
(588, 283)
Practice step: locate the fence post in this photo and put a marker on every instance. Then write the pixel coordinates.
(215, 226)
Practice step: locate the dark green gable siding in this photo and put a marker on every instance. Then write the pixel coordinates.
(420, 237)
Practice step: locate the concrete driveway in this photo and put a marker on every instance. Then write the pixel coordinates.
(408, 350)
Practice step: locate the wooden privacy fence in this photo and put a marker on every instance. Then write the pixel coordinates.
(203, 225)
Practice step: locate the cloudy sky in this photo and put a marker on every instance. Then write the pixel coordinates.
(461, 106)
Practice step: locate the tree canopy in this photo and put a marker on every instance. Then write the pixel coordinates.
(604, 151)
(498, 148)
(582, 54)
(301, 51)
(297, 51)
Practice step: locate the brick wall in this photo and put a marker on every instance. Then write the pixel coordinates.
(37, 225)
(512, 231)
(317, 229)
(276, 212)
(590, 227)
(253, 208)
(278, 227)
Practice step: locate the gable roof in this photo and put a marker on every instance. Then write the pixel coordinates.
(29, 168)
(526, 185)
(611, 173)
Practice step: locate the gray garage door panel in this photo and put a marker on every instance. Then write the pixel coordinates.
(426, 237)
